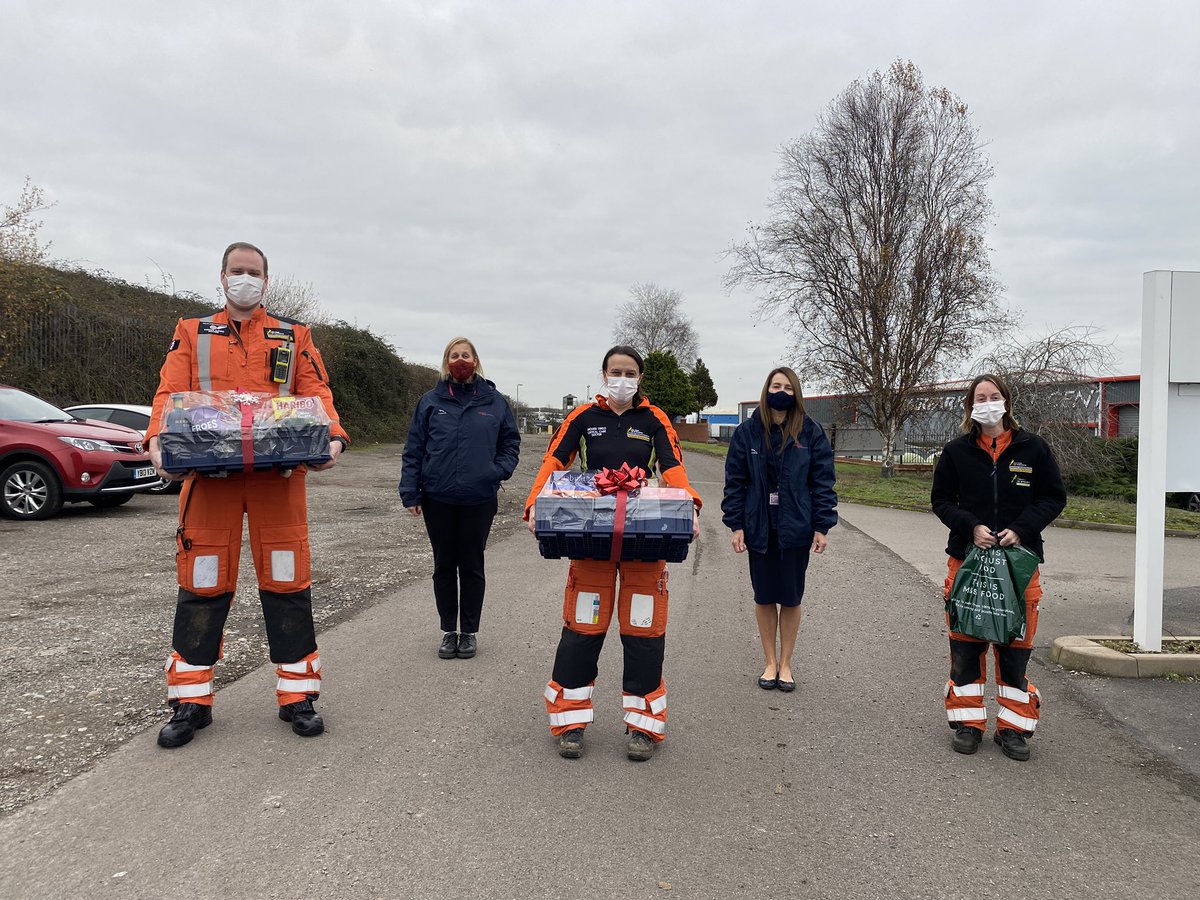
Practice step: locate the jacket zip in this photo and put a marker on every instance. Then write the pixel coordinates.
(313, 363)
(995, 487)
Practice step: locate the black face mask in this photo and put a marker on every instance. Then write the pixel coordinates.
(780, 400)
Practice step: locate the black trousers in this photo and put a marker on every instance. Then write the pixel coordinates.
(458, 535)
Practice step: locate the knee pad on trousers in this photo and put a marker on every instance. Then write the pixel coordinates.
(289, 621)
(575, 661)
(643, 663)
(199, 624)
(1011, 664)
(967, 661)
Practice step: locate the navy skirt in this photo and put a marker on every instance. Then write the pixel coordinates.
(778, 575)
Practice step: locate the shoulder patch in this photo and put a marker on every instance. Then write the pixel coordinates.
(279, 334)
(216, 328)
(174, 346)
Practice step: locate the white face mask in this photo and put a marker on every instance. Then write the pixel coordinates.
(988, 413)
(244, 291)
(621, 390)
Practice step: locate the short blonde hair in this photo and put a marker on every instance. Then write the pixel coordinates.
(446, 356)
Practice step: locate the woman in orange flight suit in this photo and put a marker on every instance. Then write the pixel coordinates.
(620, 427)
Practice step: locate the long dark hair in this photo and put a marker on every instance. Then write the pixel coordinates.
(793, 420)
(969, 425)
(631, 352)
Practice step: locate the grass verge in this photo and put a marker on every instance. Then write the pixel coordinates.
(858, 483)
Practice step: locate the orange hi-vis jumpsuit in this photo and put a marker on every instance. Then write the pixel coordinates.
(1018, 699)
(641, 436)
(213, 353)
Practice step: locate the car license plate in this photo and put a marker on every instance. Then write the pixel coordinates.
(144, 472)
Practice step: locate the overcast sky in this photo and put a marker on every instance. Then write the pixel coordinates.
(506, 170)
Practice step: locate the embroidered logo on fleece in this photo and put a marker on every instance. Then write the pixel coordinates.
(637, 434)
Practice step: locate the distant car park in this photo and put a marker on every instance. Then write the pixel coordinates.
(130, 416)
(49, 457)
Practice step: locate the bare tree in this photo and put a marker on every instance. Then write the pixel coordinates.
(1053, 381)
(295, 299)
(653, 321)
(19, 230)
(874, 252)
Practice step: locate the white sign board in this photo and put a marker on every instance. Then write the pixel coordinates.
(1168, 432)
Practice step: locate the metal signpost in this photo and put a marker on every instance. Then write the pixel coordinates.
(1168, 431)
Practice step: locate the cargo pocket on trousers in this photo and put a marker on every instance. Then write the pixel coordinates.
(203, 563)
(284, 563)
(588, 601)
(642, 605)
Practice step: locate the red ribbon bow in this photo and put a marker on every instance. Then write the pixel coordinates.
(610, 481)
(620, 482)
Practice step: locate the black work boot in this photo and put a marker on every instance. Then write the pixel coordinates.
(1012, 743)
(966, 739)
(184, 722)
(638, 746)
(466, 645)
(570, 744)
(305, 720)
(449, 648)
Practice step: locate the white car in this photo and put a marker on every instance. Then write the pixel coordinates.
(131, 416)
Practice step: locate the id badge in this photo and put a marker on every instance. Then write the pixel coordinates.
(774, 498)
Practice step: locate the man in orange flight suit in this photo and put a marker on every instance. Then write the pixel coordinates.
(233, 350)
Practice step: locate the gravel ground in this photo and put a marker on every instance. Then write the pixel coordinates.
(87, 600)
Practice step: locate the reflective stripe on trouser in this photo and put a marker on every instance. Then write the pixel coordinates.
(568, 708)
(1019, 710)
(299, 680)
(647, 714)
(964, 705)
(187, 683)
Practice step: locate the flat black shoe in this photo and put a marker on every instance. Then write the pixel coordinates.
(467, 646)
(786, 686)
(966, 739)
(449, 648)
(306, 721)
(1013, 744)
(570, 744)
(768, 684)
(187, 719)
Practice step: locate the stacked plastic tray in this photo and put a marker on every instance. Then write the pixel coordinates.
(574, 520)
(205, 433)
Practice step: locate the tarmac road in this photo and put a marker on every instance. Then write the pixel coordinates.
(440, 778)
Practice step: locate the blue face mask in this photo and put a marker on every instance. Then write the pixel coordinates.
(780, 400)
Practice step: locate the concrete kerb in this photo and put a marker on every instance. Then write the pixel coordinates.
(1085, 654)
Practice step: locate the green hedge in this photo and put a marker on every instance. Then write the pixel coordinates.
(75, 337)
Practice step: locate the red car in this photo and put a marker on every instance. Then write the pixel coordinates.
(48, 458)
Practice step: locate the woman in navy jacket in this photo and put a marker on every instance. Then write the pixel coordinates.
(779, 502)
(462, 443)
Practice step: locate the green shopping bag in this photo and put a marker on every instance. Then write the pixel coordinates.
(987, 599)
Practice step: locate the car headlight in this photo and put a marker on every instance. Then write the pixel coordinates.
(89, 444)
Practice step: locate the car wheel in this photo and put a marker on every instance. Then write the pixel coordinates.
(29, 490)
(165, 486)
(1193, 502)
(108, 501)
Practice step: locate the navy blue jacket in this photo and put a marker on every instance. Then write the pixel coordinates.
(462, 443)
(807, 502)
